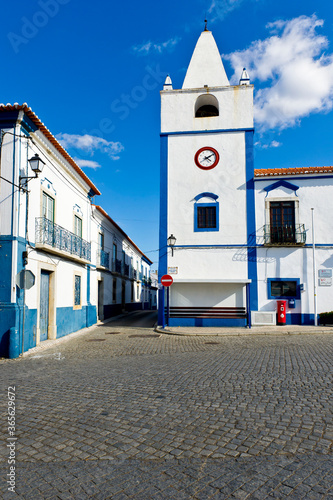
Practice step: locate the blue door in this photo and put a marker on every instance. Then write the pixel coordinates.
(44, 304)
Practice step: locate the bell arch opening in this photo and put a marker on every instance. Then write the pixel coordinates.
(206, 105)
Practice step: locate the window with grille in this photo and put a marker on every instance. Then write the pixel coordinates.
(282, 220)
(206, 217)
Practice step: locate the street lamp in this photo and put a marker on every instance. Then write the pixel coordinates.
(36, 165)
(171, 242)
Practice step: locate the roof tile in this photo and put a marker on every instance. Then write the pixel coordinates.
(272, 172)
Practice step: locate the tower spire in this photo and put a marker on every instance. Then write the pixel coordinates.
(206, 67)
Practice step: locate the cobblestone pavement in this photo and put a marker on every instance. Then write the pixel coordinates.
(121, 412)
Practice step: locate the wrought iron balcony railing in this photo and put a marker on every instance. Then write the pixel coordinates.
(116, 266)
(284, 234)
(49, 233)
(103, 258)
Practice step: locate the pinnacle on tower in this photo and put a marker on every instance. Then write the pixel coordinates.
(244, 79)
(167, 84)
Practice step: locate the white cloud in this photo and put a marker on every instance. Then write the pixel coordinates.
(220, 8)
(148, 47)
(87, 163)
(272, 144)
(90, 144)
(296, 75)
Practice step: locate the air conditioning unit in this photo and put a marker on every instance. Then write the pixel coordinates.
(263, 318)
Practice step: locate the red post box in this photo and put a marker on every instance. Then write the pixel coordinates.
(281, 312)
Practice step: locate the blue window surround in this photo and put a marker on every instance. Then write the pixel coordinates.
(284, 297)
(206, 195)
(204, 205)
(282, 183)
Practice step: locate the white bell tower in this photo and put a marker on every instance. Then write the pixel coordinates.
(207, 197)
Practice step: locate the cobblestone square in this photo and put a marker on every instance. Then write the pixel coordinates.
(162, 416)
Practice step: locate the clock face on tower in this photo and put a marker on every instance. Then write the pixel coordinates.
(206, 158)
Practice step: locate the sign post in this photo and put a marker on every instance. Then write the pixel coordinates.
(166, 281)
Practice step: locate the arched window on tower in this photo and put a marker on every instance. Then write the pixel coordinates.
(206, 105)
(206, 212)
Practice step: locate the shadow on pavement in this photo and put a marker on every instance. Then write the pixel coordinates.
(136, 319)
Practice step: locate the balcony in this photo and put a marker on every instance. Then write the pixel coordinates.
(126, 270)
(284, 235)
(59, 240)
(103, 258)
(116, 266)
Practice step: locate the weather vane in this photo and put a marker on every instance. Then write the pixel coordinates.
(206, 25)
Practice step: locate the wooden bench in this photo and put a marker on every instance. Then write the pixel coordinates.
(208, 312)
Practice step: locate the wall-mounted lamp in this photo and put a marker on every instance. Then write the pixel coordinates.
(36, 165)
(171, 242)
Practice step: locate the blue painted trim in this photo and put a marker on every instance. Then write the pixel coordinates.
(248, 311)
(88, 285)
(216, 131)
(211, 246)
(305, 176)
(9, 237)
(251, 223)
(6, 253)
(206, 195)
(299, 319)
(282, 183)
(206, 229)
(146, 260)
(285, 297)
(11, 315)
(28, 125)
(293, 247)
(291, 319)
(163, 236)
(217, 322)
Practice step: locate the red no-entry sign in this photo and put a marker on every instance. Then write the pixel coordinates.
(167, 280)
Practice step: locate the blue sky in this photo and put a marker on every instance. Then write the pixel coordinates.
(92, 72)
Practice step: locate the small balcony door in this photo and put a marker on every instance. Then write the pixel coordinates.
(282, 215)
(48, 207)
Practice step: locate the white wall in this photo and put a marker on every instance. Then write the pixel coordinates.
(207, 295)
(235, 106)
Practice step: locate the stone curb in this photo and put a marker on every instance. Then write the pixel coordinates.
(247, 331)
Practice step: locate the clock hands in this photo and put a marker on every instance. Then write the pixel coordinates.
(208, 157)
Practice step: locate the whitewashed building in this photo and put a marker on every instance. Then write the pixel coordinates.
(227, 261)
(122, 270)
(51, 230)
(290, 203)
